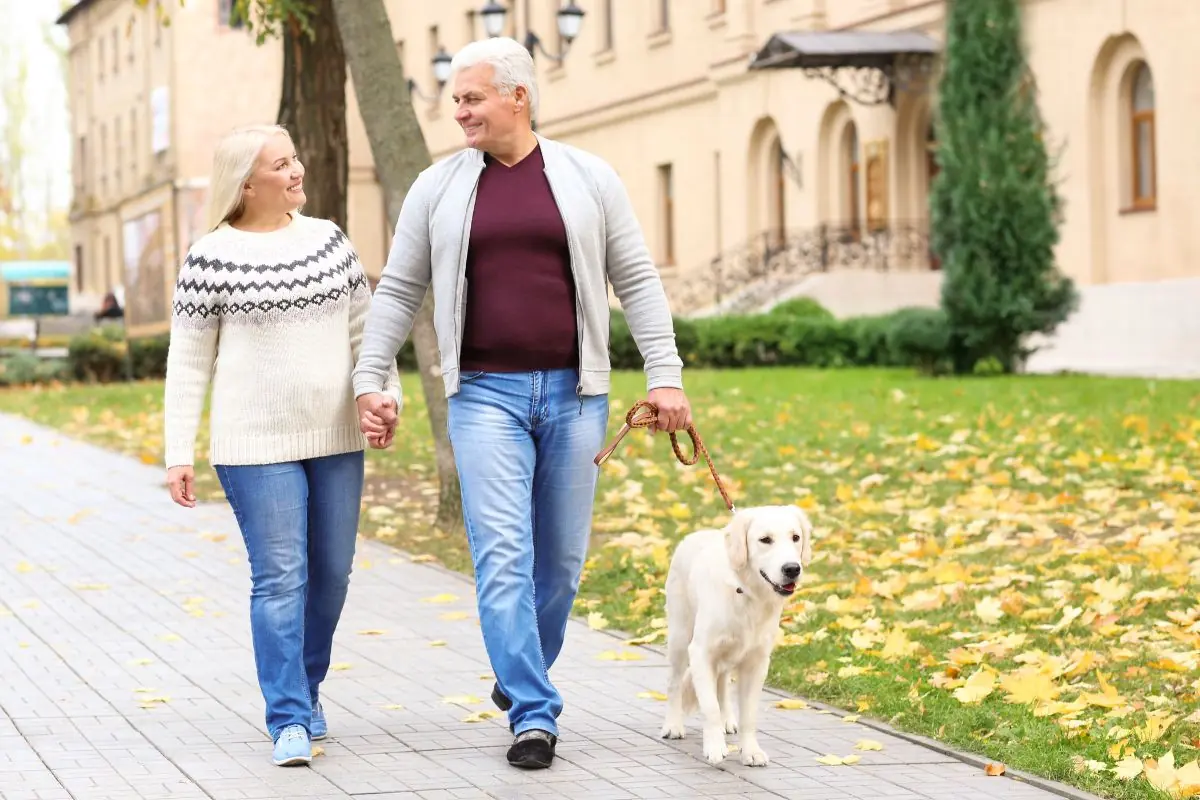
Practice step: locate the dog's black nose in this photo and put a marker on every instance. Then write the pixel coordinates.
(791, 571)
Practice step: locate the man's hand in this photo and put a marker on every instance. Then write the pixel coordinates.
(182, 483)
(377, 418)
(674, 410)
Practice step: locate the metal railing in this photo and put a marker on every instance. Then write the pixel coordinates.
(752, 273)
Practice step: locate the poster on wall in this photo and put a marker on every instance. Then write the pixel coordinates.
(160, 119)
(145, 256)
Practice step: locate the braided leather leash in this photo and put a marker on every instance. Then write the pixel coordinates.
(645, 415)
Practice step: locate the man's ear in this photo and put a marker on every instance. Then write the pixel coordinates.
(805, 535)
(737, 545)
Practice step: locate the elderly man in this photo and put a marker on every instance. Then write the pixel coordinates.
(519, 236)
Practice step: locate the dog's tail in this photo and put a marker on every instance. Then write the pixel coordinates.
(687, 689)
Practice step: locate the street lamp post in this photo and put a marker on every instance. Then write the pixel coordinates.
(495, 19)
(569, 17)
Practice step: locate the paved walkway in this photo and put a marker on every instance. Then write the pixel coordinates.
(126, 672)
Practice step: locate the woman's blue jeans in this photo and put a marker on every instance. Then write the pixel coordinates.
(524, 443)
(299, 521)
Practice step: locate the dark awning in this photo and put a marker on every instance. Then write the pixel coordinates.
(815, 49)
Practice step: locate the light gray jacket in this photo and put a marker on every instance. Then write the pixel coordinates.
(605, 244)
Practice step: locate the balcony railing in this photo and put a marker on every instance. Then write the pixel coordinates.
(747, 276)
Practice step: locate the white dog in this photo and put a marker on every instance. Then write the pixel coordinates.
(726, 590)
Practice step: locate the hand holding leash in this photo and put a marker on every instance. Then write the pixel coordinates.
(645, 415)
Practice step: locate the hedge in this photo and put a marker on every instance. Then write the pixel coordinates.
(803, 335)
(795, 333)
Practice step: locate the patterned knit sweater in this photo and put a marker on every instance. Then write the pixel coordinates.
(275, 320)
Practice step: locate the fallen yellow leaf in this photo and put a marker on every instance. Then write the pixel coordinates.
(652, 695)
(868, 744)
(791, 704)
(440, 598)
(837, 761)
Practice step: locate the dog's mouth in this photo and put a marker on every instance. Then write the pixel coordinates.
(783, 589)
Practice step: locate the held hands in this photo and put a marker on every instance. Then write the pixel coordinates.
(182, 482)
(674, 410)
(377, 419)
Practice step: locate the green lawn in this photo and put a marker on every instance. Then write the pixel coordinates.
(1007, 564)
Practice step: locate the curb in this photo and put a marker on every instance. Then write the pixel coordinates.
(980, 762)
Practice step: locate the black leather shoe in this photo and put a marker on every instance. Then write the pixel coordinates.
(500, 698)
(533, 749)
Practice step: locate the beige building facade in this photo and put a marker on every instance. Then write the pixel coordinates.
(736, 173)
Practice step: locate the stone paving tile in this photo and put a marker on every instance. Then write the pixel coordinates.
(128, 675)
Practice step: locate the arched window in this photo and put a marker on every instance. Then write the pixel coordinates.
(854, 177)
(778, 189)
(1142, 137)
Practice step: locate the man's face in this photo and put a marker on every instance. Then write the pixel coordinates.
(486, 116)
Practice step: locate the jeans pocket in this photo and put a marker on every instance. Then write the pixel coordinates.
(467, 377)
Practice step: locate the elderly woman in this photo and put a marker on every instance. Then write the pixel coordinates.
(520, 236)
(270, 304)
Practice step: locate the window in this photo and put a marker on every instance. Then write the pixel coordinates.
(853, 177)
(718, 7)
(606, 30)
(81, 181)
(664, 15)
(778, 190)
(470, 37)
(116, 51)
(666, 195)
(79, 268)
(119, 156)
(1142, 134)
(434, 45)
(226, 17)
(103, 162)
(132, 38)
(100, 62)
(133, 148)
(108, 261)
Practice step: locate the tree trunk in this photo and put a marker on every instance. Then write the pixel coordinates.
(313, 109)
(400, 154)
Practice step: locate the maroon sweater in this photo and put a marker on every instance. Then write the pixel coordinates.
(520, 311)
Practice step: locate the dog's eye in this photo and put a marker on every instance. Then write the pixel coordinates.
(765, 540)
(795, 537)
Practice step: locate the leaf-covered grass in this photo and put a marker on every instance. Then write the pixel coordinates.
(1007, 564)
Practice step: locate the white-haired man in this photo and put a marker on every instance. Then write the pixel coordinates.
(519, 236)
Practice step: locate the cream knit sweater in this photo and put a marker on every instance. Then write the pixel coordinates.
(275, 320)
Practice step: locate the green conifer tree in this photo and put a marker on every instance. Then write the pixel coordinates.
(993, 206)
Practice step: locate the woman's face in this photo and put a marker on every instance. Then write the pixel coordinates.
(276, 186)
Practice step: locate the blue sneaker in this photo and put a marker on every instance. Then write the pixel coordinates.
(293, 747)
(320, 728)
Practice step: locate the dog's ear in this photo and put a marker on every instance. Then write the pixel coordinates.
(805, 535)
(737, 533)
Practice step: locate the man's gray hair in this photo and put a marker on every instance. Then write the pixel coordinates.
(511, 63)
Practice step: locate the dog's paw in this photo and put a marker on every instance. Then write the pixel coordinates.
(754, 757)
(673, 730)
(731, 726)
(714, 749)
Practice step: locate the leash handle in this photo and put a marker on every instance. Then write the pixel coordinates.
(644, 414)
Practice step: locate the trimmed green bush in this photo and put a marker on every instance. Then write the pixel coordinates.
(803, 334)
(921, 337)
(98, 355)
(22, 369)
(149, 356)
(801, 307)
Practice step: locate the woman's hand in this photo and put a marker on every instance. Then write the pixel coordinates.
(182, 482)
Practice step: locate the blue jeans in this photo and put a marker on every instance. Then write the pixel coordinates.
(299, 520)
(524, 444)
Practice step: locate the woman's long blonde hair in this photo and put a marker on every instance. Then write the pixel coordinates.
(233, 162)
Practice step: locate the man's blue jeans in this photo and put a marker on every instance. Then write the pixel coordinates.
(299, 521)
(524, 444)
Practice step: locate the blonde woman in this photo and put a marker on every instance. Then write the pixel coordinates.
(270, 306)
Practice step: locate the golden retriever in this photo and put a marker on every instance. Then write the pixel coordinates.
(726, 590)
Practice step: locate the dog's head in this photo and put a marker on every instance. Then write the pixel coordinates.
(772, 542)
